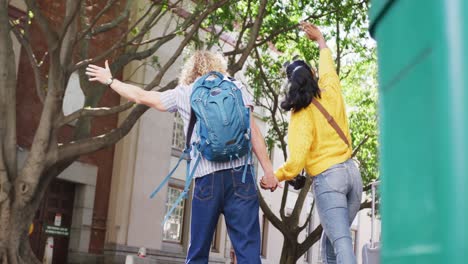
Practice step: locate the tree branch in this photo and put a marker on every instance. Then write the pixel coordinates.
(268, 213)
(50, 34)
(300, 201)
(185, 41)
(70, 15)
(68, 33)
(117, 44)
(233, 68)
(284, 30)
(309, 241)
(338, 47)
(283, 200)
(8, 161)
(244, 25)
(274, 109)
(114, 23)
(32, 60)
(316, 234)
(44, 142)
(100, 111)
(358, 147)
(309, 216)
(88, 29)
(89, 145)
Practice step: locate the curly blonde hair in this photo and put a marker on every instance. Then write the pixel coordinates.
(200, 63)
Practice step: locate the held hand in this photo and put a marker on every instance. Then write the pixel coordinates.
(96, 73)
(269, 182)
(312, 31)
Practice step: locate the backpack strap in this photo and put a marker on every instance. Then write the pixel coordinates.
(193, 120)
(331, 121)
(183, 195)
(185, 155)
(189, 174)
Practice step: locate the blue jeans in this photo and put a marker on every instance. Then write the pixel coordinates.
(338, 192)
(223, 192)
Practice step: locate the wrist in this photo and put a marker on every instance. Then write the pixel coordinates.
(322, 43)
(109, 81)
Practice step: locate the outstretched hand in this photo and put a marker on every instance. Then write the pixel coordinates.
(99, 74)
(312, 31)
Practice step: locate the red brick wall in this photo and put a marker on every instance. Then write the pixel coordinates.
(29, 108)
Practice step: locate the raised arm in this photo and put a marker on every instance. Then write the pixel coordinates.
(327, 71)
(131, 92)
(314, 34)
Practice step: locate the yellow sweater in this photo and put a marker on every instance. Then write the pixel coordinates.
(313, 144)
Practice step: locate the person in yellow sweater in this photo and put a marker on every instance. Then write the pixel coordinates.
(316, 146)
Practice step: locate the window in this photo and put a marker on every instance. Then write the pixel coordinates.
(172, 231)
(178, 136)
(264, 246)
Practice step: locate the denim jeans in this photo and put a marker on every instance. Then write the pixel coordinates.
(223, 192)
(338, 192)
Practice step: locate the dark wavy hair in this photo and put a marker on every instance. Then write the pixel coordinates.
(302, 86)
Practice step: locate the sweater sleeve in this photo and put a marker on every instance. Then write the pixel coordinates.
(299, 142)
(328, 78)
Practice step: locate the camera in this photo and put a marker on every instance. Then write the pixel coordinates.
(298, 182)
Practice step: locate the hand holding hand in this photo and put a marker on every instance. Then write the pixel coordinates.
(269, 182)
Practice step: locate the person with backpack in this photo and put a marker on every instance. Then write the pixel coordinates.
(222, 167)
(319, 141)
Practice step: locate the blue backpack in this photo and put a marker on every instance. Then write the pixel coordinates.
(223, 128)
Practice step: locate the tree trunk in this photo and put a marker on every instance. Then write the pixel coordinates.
(288, 253)
(14, 241)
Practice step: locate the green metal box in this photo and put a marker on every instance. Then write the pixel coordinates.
(423, 83)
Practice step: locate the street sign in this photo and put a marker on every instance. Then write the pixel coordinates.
(57, 231)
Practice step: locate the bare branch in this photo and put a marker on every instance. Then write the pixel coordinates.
(270, 215)
(313, 237)
(338, 45)
(274, 109)
(283, 200)
(88, 145)
(88, 29)
(32, 60)
(309, 217)
(244, 27)
(71, 12)
(50, 34)
(114, 23)
(8, 161)
(153, 39)
(45, 138)
(149, 24)
(187, 38)
(100, 111)
(118, 44)
(233, 68)
(68, 32)
(356, 150)
(300, 201)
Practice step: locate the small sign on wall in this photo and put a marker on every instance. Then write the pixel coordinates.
(57, 231)
(58, 220)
